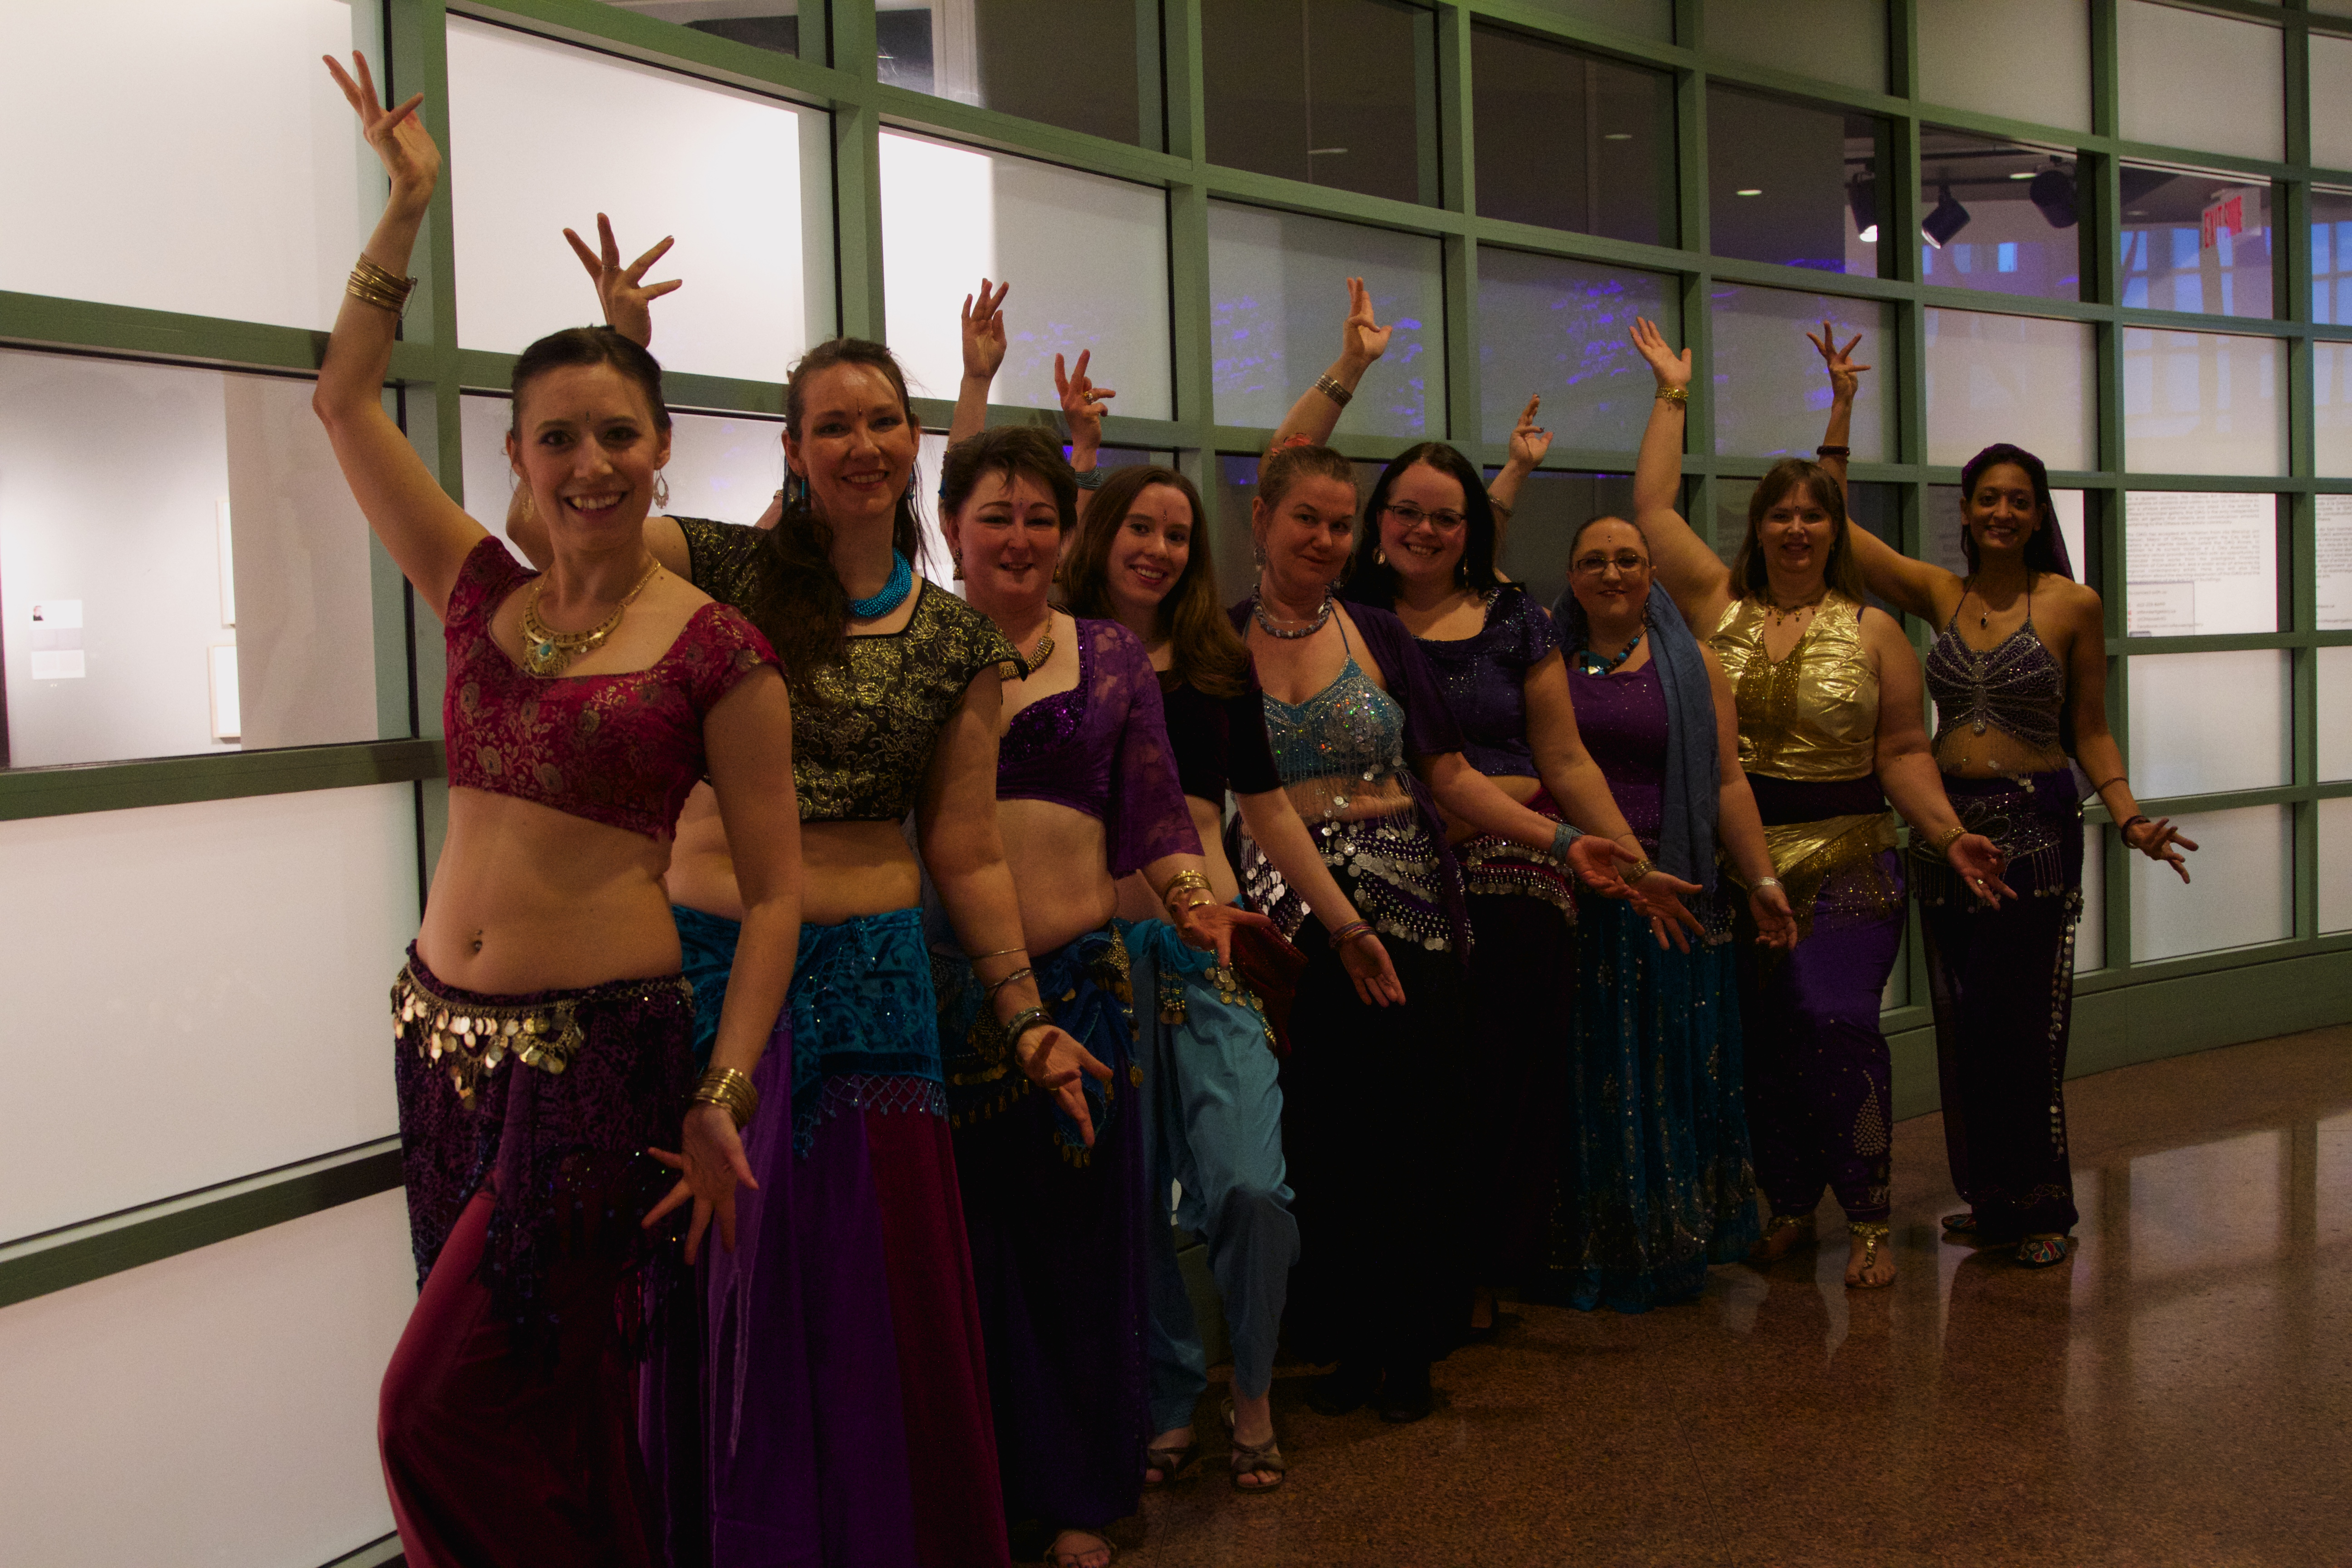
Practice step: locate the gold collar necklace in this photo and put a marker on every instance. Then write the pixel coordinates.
(546, 651)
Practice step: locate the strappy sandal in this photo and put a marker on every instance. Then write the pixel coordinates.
(1783, 1234)
(1961, 1224)
(1248, 1458)
(1171, 1463)
(1871, 1236)
(2042, 1251)
(1055, 1558)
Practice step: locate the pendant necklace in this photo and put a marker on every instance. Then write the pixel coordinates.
(1257, 609)
(1590, 663)
(546, 651)
(1779, 614)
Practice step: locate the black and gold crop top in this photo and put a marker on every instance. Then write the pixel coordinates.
(862, 730)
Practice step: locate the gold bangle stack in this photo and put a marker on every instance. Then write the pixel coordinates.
(1637, 871)
(372, 285)
(1329, 385)
(1675, 394)
(731, 1091)
(1179, 883)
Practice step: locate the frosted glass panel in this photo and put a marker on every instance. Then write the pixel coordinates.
(2239, 894)
(2169, 64)
(126, 196)
(2041, 71)
(2203, 403)
(1770, 396)
(1561, 328)
(2205, 722)
(722, 467)
(182, 567)
(218, 1407)
(1843, 41)
(2331, 410)
(2336, 864)
(2200, 564)
(2334, 702)
(1086, 255)
(2090, 932)
(2010, 378)
(741, 180)
(232, 955)
(1279, 293)
(2331, 532)
(2331, 101)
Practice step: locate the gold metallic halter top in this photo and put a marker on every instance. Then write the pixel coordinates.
(1813, 715)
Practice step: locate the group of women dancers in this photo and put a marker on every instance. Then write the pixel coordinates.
(909, 939)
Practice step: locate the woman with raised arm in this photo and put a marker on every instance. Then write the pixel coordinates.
(544, 1026)
(897, 715)
(1427, 553)
(2019, 673)
(1088, 794)
(1657, 1183)
(1210, 1092)
(1830, 731)
(1376, 1100)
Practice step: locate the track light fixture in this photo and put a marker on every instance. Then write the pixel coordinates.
(1949, 218)
(1862, 197)
(2052, 191)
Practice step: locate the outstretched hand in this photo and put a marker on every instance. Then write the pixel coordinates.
(711, 1165)
(1362, 339)
(1371, 970)
(1846, 376)
(1776, 922)
(1671, 368)
(1529, 441)
(1980, 862)
(1053, 1059)
(1082, 403)
(2157, 841)
(400, 140)
(626, 297)
(984, 331)
(1209, 925)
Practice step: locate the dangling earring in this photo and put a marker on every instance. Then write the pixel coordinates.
(1379, 556)
(1257, 554)
(958, 559)
(914, 484)
(661, 491)
(1462, 573)
(527, 505)
(795, 489)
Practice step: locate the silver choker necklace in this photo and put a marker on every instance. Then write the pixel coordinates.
(1257, 609)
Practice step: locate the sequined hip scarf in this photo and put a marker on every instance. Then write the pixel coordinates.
(468, 1035)
(2037, 820)
(1086, 984)
(1388, 866)
(1493, 864)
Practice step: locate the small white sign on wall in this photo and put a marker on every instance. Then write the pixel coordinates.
(56, 643)
(227, 723)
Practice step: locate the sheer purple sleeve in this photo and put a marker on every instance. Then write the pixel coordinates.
(1147, 816)
(1429, 728)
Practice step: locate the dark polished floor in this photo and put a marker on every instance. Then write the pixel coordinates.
(2179, 1390)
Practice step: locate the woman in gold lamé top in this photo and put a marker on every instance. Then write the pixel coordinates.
(1829, 730)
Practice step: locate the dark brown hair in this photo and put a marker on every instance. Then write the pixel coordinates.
(1016, 451)
(1205, 649)
(2047, 551)
(1371, 580)
(801, 604)
(577, 346)
(1843, 573)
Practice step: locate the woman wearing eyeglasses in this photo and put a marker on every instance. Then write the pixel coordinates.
(1658, 1183)
(1427, 553)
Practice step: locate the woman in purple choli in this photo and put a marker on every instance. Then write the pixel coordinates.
(2012, 701)
(1055, 1204)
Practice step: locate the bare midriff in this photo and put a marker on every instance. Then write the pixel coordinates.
(1996, 754)
(527, 898)
(848, 868)
(1349, 799)
(1061, 869)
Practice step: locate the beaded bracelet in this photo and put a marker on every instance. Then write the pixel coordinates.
(1351, 931)
(1024, 1021)
(1562, 837)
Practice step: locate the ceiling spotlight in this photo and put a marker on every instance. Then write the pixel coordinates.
(1862, 198)
(1949, 218)
(1751, 191)
(1619, 136)
(2053, 191)
(2023, 175)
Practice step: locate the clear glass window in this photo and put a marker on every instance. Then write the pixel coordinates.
(1771, 398)
(1015, 57)
(2198, 242)
(248, 207)
(1572, 141)
(771, 24)
(1792, 183)
(2199, 563)
(1278, 294)
(2331, 256)
(673, 155)
(2332, 536)
(2012, 378)
(2241, 895)
(183, 569)
(1999, 217)
(2202, 723)
(2169, 61)
(1843, 41)
(1333, 92)
(2041, 69)
(2203, 403)
(1560, 330)
(1086, 256)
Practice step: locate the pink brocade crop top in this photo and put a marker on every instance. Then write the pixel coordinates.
(624, 750)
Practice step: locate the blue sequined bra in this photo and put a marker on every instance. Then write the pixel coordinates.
(1350, 731)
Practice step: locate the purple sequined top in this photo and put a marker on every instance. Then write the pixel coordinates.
(2016, 687)
(1623, 718)
(1102, 748)
(1485, 677)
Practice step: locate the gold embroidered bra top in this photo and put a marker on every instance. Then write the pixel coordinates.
(862, 730)
(1813, 715)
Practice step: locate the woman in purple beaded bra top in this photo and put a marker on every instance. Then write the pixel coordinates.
(1088, 794)
(1427, 553)
(544, 1030)
(2019, 673)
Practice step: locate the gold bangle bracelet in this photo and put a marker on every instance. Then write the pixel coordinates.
(1950, 836)
(731, 1091)
(1673, 394)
